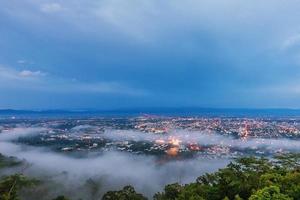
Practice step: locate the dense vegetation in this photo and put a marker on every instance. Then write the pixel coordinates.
(8, 161)
(244, 178)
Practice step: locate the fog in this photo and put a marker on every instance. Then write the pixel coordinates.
(91, 176)
(205, 138)
(67, 175)
(12, 134)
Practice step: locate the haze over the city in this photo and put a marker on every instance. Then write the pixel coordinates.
(111, 54)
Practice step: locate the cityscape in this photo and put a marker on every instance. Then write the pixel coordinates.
(174, 137)
(149, 100)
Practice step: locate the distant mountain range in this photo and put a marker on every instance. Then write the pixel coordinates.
(188, 111)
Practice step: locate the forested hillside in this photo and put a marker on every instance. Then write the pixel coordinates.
(244, 178)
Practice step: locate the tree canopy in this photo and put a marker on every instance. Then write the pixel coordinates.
(245, 178)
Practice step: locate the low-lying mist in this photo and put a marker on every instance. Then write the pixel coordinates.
(205, 138)
(91, 176)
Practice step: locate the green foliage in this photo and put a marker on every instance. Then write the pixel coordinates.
(288, 161)
(127, 193)
(171, 192)
(249, 177)
(237, 197)
(269, 193)
(8, 161)
(10, 185)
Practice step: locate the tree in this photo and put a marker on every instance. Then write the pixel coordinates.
(10, 186)
(288, 161)
(242, 178)
(8, 161)
(127, 193)
(269, 193)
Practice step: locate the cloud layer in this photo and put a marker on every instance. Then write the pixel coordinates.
(110, 171)
(195, 53)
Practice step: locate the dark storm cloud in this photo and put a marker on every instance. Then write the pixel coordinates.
(153, 53)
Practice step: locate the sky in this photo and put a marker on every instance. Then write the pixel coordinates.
(110, 54)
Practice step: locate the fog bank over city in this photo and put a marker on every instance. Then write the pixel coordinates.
(84, 158)
(204, 138)
(110, 170)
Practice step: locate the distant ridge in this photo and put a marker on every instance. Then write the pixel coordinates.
(187, 111)
(12, 111)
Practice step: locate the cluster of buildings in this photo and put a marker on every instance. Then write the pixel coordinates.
(74, 135)
(240, 127)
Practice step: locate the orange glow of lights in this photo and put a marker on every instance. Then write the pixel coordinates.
(160, 141)
(174, 142)
(194, 147)
(245, 132)
(173, 151)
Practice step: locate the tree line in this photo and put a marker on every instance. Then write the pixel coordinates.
(245, 178)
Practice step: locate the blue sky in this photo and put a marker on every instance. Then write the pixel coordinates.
(108, 54)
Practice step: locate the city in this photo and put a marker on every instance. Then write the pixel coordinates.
(174, 137)
(149, 99)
